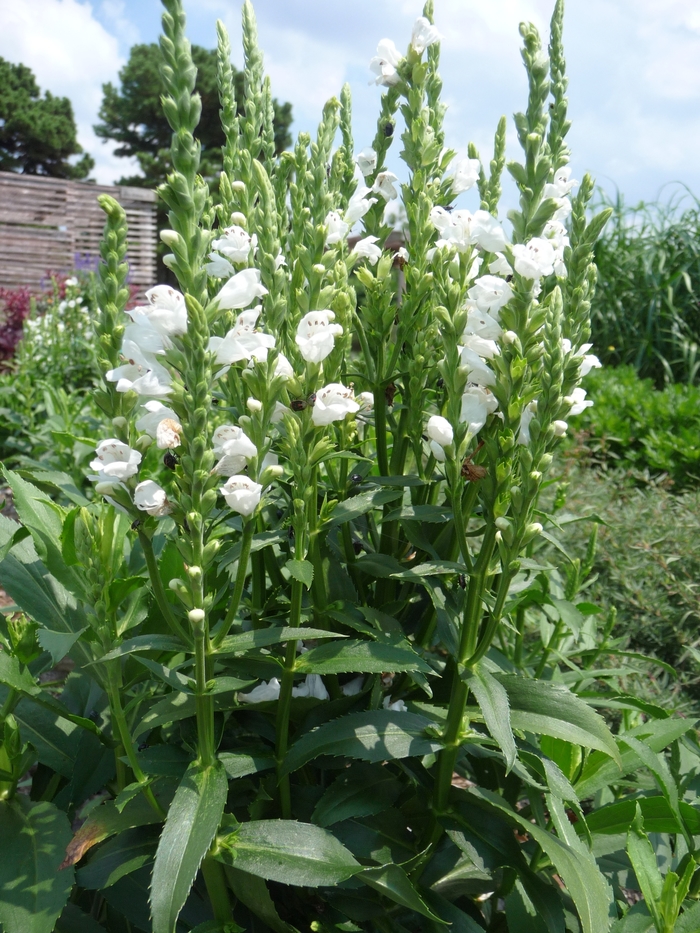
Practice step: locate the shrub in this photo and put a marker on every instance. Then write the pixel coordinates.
(634, 426)
(15, 307)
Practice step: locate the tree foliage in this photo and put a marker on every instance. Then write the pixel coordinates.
(132, 115)
(37, 134)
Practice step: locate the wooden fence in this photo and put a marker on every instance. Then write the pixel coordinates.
(53, 225)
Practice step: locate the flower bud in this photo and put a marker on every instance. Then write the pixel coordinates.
(531, 531)
(195, 572)
(176, 584)
(119, 422)
(196, 616)
(104, 489)
(270, 473)
(559, 428)
(319, 268)
(143, 442)
(238, 185)
(510, 336)
(239, 219)
(253, 405)
(546, 461)
(535, 476)
(170, 237)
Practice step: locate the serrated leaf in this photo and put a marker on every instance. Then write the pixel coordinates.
(288, 852)
(588, 888)
(641, 855)
(302, 571)
(58, 644)
(546, 708)
(262, 638)
(192, 822)
(362, 790)
(143, 643)
(33, 891)
(393, 882)
(420, 513)
(118, 857)
(239, 764)
(374, 735)
(431, 568)
(493, 702)
(105, 821)
(360, 657)
(363, 502)
(252, 891)
(658, 817)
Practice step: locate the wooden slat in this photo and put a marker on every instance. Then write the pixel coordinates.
(46, 223)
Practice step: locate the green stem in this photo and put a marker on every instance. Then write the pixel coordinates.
(114, 685)
(285, 701)
(451, 742)
(246, 542)
(204, 702)
(215, 881)
(159, 591)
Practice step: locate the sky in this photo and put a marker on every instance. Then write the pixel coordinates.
(634, 70)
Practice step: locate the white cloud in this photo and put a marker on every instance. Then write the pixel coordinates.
(72, 55)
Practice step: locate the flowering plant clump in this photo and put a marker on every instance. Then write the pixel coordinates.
(298, 598)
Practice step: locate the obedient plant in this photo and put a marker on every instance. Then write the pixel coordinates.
(321, 675)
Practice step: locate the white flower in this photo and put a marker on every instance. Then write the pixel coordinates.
(141, 373)
(423, 35)
(559, 428)
(365, 400)
(312, 686)
(280, 261)
(487, 233)
(561, 184)
(165, 311)
(315, 335)
(479, 373)
(367, 249)
(398, 706)
(534, 259)
(240, 290)
(578, 401)
(354, 686)
(402, 254)
(336, 227)
(218, 267)
(333, 403)
(71, 283)
(482, 324)
(230, 439)
(483, 347)
(115, 461)
(440, 430)
(155, 413)
(465, 175)
(254, 405)
(242, 342)
(262, 693)
(438, 452)
(589, 361)
(384, 185)
(242, 494)
(152, 498)
(145, 336)
(283, 367)
(384, 63)
(235, 244)
(490, 293)
(366, 160)
(528, 414)
(477, 404)
(359, 204)
(279, 412)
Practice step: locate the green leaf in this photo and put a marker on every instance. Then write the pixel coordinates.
(44, 519)
(521, 913)
(431, 568)
(689, 920)
(239, 764)
(375, 735)
(587, 886)
(260, 541)
(143, 643)
(599, 770)
(192, 822)
(13, 676)
(118, 857)
(302, 571)
(361, 790)
(58, 644)
(252, 892)
(493, 702)
(33, 891)
(288, 852)
(393, 882)
(378, 565)
(659, 768)
(643, 859)
(163, 760)
(361, 657)
(363, 502)
(104, 821)
(551, 709)
(73, 920)
(658, 817)
(420, 513)
(261, 638)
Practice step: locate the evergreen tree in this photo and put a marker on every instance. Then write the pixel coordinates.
(37, 134)
(132, 115)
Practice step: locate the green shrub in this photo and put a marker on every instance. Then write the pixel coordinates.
(639, 428)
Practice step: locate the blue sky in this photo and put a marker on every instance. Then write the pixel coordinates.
(634, 68)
